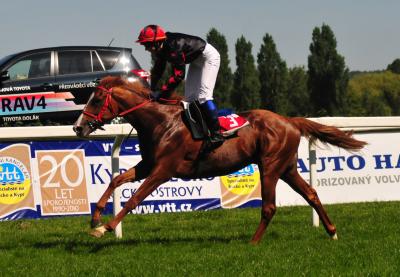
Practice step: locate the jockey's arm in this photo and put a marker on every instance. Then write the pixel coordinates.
(177, 60)
(157, 71)
(178, 74)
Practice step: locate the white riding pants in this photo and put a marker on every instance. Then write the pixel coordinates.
(201, 76)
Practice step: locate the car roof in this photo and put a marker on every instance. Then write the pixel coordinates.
(6, 59)
(71, 47)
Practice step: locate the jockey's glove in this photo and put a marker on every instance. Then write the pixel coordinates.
(155, 95)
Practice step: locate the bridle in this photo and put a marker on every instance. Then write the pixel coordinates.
(98, 121)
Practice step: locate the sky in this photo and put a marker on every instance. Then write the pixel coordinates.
(367, 31)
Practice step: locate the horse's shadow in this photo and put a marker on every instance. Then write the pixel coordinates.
(97, 245)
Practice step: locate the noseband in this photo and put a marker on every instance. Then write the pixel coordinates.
(98, 121)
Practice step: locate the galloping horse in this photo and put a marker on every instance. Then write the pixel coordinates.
(270, 140)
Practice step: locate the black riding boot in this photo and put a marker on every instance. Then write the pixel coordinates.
(211, 118)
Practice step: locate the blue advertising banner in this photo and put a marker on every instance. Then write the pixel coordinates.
(67, 177)
(57, 178)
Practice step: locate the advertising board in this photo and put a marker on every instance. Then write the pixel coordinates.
(60, 178)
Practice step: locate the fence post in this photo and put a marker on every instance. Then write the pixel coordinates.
(115, 171)
(312, 153)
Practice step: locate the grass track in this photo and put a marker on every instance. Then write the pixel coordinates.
(213, 243)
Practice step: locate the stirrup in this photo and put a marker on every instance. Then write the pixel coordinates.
(216, 138)
(209, 145)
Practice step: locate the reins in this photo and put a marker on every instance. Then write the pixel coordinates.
(144, 103)
(98, 119)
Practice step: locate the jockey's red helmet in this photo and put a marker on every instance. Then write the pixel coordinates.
(151, 33)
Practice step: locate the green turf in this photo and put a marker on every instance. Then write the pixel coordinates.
(213, 243)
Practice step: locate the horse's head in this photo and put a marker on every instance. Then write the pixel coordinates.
(113, 97)
(98, 111)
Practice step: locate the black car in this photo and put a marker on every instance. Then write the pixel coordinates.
(50, 86)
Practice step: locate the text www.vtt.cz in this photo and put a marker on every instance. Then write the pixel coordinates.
(162, 208)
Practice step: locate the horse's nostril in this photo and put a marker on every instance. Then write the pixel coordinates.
(77, 129)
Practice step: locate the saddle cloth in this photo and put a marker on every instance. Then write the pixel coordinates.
(194, 120)
(231, 123)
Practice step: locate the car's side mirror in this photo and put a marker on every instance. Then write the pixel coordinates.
(4, 76)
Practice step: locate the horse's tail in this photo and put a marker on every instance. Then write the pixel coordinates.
(327, 134)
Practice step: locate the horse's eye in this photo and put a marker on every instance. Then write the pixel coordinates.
(96, 101)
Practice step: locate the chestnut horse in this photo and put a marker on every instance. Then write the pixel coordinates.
(270, 140)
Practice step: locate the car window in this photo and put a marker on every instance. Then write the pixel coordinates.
(96, 62)
(70, 62)
(32, 66)
(108, 57)
(135, 62)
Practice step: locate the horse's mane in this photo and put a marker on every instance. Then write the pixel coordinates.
(138, 86)
(117, 81)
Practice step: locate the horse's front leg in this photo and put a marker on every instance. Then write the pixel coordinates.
(268, 192)
(136, 173)
(155, 179)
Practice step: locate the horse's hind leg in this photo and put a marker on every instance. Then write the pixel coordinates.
(134, 174)
(297, 183)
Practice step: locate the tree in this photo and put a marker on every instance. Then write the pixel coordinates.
(273, 75)
(223, 85)
(328, 76)
(298, 96)
(394, 66)
(376, 94)
(246, 85)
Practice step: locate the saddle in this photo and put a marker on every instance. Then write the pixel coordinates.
(194, 120)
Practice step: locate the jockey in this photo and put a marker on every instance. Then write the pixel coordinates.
(181, 49)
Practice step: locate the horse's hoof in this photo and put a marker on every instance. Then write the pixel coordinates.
(254, 242)
(95, 223)
(334, 237)
(98, 232)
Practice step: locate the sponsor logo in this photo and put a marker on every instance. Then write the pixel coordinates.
(62, 182)
(77, 85)
(15, 181)
(41, 102)
(240, 187)
(12, 89)
(242, 182)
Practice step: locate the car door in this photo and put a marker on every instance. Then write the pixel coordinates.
(77, 72)
(34, 71)
(30, 77)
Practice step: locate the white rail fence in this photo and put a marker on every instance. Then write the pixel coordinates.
(119, 131)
